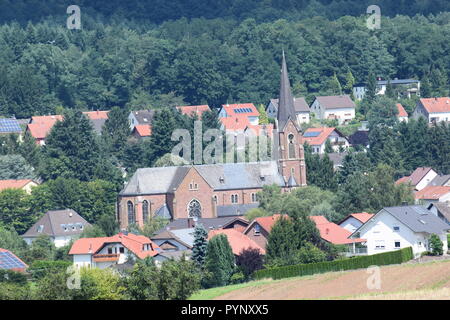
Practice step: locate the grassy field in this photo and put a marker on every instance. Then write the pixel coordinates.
(429, 280)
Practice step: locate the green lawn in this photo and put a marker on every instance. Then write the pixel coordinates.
(209, 294)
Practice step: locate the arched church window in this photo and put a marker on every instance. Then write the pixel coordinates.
(195, 209)
(291, 146)
(131, 216)
(145, 211)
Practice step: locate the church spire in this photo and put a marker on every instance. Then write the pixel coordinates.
(286, 101)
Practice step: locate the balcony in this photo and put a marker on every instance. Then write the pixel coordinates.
(356, 252)
(106, 257)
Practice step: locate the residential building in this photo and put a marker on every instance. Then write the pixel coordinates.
(203, 191)
(318, 137)
(40, 127)
(394, 228)
(404, 88)
(239, 110)
(24, 184)
(432, 194)
(61, 226)
(9, 261)
(433, 109)
(340, 108)
(300, 106)
(259, 229)
(355, 220)
(237, 240)
(106, 252)
(169, 241)
(402, 115)
(443, 181)
(241, 125)
(194, 110)
(97, 119)
(420, 178)
(336, 158)
(140, 117)
(231, 221)
(441, 210)
(142, 131)
(10, 126)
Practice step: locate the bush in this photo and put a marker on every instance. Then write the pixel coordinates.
(249, 260)
(237, 278)
(436, 245)
(393, 257)
(9, 276)
(41, 268)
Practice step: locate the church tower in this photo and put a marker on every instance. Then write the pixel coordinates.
(291, 162)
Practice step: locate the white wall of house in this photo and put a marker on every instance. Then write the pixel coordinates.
(341, 114)
(420, 111)
(382, 237)
(272, 111)
(426, 180)
(402, 119)
(132, 120)
(303, 117)
(82, 260)
(351, 224)
(57, 241)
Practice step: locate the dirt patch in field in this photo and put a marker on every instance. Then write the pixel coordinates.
(342, 285)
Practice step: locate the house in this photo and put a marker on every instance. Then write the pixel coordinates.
(237, 240)
(142, 131)
(10, 126)
(40, 127)
(336, 158)
(242, 125)
(355, 220)
(97, 119)
(404, 87)
(443, 181)
(170, 241)
(442, 210)
(332, 233)
(247, 110)
(232, 221)
(106, 252)
(341, 108)
(433, 109)
(300, 106)
(394, 228)
(61, 226)
(24, 184)
(402, 115)
(259, 229)
(317, 138)
(9, 261)
(432, 194)
(203, 191)
(420, 178)
(140, 117)
(194, 110)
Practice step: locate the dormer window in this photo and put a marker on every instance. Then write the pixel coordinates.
(257, 230)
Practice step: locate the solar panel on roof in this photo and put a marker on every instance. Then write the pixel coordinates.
(242, 110)
(312, 134)
(9, 125)
(9, 261)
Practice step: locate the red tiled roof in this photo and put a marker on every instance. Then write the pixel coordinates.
(433, 105)
(415, 177)
(237, 240)
(132, 242)
(96, 115)
(235, 123)
(230, 109)
(363, 216)
(267, 222)
(432, 192)
(189, 110)
(40, 126)
(144, 130)
(403, 180)
(14, 184)
(321, 138)
(401, 110)
(333, 233)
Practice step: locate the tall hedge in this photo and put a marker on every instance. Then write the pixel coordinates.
(393, 257)
(40, 268)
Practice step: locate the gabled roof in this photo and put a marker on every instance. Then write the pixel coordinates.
(237, 240)
(432, 193)
(401, 111)
(318, 136)
(333, 233)
(436, 105)
(14, 184)
(169, 235)
(415, 177)
(443, 208)
(143, 130)
(300, 104)
(266, 222)
(58, 223)
(40, 126)
(208, 223)
(134, 243)
(336, 157)
(95, 115)
(440, 180)
(236, 123)
(241, 109)
(362, 217)
(163, 212)
(9, 261)
(10, 125)
(143, 116)
(97, 125)
(336, 102)
(416, 218)
(190, 110)
(235, 209)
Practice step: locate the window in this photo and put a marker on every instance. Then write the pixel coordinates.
(215, 199)
(396, 229)
(234, 198)
(145, 211)
(122, 250)
(193, 186)
(291, 146)
(131, 216)
(110, 251)
(254, 197)
(194, 209)
(379, 245)
(397, 244)
(257, 229)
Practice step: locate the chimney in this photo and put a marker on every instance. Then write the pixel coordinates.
(327, 231)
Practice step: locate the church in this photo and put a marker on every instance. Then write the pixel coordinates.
(217, 190)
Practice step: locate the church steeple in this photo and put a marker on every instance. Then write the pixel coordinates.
(286, 109)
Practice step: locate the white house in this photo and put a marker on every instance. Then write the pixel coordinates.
(300, 106)
(140, 117)
(433, 109)
(108, 251)
(341, 108)
(402, 115)
(240, 110)
(355, 220)
(317, 138)
(60, 225)
(420, 178)
(405, 88)
(396, 228)
(432, 194)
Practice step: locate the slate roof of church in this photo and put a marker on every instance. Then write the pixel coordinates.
(226, 176)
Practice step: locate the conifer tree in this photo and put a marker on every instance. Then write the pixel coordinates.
(200, 245)
(219, 262)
